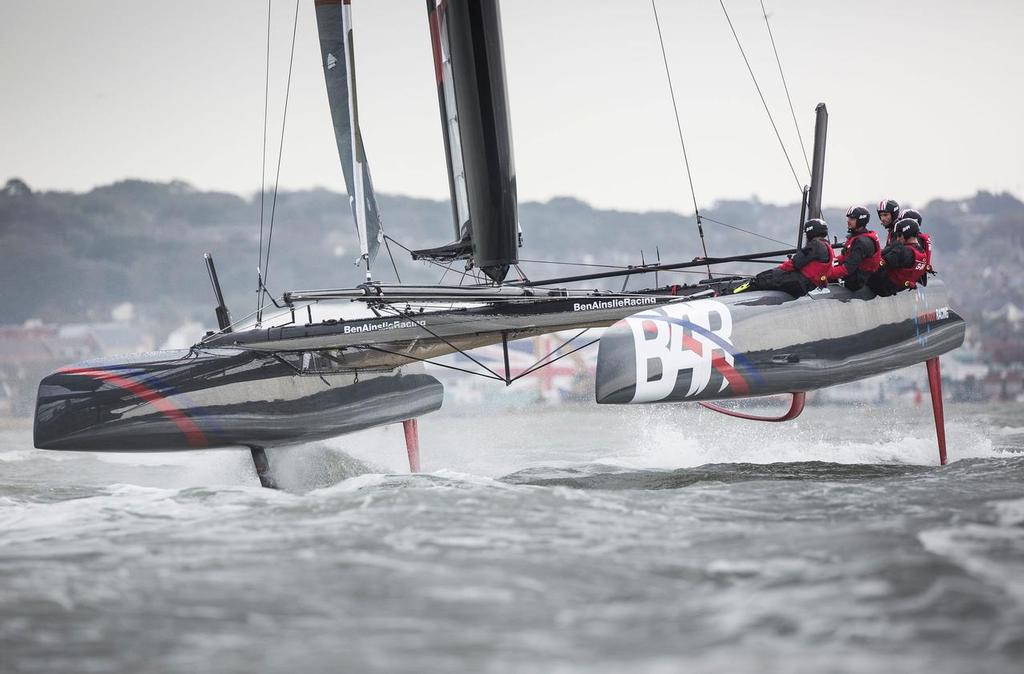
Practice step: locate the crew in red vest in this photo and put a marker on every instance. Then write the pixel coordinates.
(924, 239)
(903, 261)
(861, 254)
(806, 270)
(888, 214)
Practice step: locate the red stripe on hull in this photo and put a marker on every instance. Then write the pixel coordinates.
(193, 435)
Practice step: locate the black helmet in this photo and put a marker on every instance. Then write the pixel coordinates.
(912, 214)
(888, 206)
(905, 228)
(814, 228)
(860, 214)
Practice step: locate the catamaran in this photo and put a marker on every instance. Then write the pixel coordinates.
(283, 377)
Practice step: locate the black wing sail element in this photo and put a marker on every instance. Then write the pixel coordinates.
(461, 248)
(470, 69)
(334, 21)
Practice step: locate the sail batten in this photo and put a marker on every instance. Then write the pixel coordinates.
(337, 49)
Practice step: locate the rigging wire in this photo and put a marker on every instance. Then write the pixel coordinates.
(558, 348)
(640, 270)
(785, 86)
(745, 231)
(280, 150)
(447, 269)
(554, 360)
(263, 167)
(577, 264)
(522, 274)
(393, 265)
(544, 361)
(433, 262)
(757, 86)
(430, 361)
(679, 128)
(411, 317)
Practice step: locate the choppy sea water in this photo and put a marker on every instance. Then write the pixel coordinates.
(574, 539)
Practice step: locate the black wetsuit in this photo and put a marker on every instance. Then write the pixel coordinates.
(792, 280)
(897, 255)
(861, 249)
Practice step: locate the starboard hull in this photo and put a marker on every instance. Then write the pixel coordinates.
(764, 343)
(179, 400)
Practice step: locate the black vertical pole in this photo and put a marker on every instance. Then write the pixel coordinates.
(818, 166)
(803, 219)
(504, 348)
(223, 315)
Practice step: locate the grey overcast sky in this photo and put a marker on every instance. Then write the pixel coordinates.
(925, 97)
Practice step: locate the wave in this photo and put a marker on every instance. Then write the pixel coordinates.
(992, 552)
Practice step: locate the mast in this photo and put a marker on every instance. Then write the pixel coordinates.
(337, 50)
(818, 166)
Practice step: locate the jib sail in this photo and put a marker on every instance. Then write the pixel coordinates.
(334, 21)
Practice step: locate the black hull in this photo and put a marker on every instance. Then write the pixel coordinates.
(221, 398)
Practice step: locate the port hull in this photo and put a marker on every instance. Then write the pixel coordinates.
(179, 400)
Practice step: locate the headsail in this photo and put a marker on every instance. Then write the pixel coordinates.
(470, 69)
(334, 21)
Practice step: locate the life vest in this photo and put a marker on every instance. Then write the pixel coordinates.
(870, 263)
(908, 277)
(926, 242)
(816, 271)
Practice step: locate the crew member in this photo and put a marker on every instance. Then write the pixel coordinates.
(903, 261)
(806, 270)
(888, 214)
(924, 239)
(862, 252)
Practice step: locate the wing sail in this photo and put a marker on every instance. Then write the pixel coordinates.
(469, 65)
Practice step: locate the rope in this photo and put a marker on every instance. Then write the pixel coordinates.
(757, 86)
(679, 128)
(786, 87)
(263, 169)
(280, 150)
